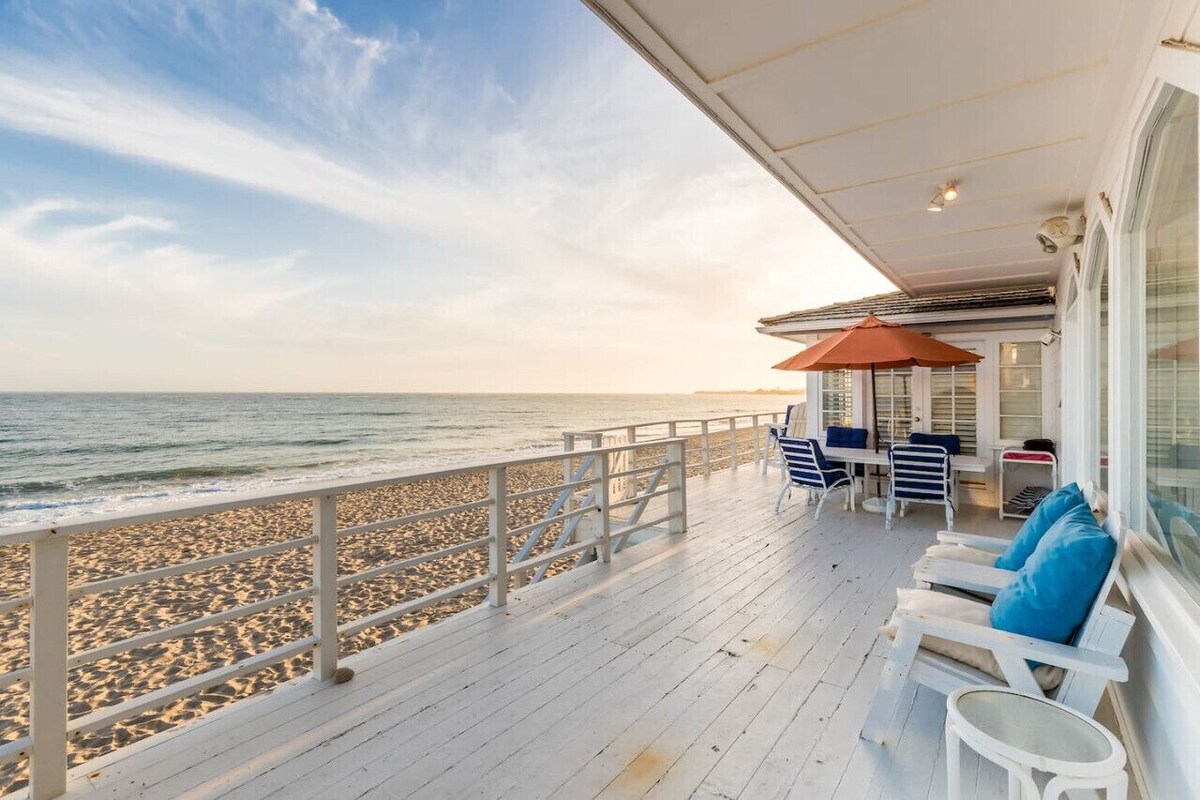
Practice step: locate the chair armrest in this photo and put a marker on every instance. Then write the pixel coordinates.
(962, 575)
(973, 540)
(1090, 662)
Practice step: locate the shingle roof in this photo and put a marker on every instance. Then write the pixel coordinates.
(898, 303)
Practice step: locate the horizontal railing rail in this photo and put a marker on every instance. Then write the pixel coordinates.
(582, 506)
(715, 442)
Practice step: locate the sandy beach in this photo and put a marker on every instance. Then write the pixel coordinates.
(100, 619)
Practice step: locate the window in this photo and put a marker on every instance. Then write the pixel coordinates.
(1020, 390)
(837, 402)
(893, 399)
(952, 404)
(1168, 231)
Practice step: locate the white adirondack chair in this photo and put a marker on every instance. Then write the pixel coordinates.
(1089, 661)
(963, 574)
(775, 431)
(942, 567)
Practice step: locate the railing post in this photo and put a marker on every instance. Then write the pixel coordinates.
(325, 569)
(677, 484)
(48, 659)
(600, 465)
(733, 444)
(704, 447)
(757, 442)
(498, 530)
(568, 447)
(631, 462)
(671, 428)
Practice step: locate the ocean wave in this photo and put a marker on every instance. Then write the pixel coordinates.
(170, 475)
(106, 448)
(53, 501)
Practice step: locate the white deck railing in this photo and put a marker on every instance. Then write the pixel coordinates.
(743, 434)
(592, 526)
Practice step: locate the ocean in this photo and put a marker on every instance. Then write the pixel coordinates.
(64, 455)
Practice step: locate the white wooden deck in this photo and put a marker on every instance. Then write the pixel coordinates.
(735, 661)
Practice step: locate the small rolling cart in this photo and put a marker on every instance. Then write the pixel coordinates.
(1022, 502)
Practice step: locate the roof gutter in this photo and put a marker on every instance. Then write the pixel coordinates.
(1043, 311)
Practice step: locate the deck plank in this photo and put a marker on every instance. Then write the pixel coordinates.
(735, 661)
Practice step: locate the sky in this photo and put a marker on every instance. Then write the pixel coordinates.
(281, 195)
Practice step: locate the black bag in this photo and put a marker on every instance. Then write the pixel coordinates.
(1039, 445)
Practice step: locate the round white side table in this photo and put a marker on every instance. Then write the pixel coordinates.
(1023, 732)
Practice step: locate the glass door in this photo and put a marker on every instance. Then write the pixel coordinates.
(945, 400)
(894, 402)
(952, 404)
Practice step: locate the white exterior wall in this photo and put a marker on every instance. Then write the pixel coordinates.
(977, 489)
(1159, 707)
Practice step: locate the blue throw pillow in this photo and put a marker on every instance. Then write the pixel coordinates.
(839, 436)
(1045, 515)
(949, 441)
(1052, 594)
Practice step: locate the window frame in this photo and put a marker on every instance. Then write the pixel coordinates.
(1129, 348)
(1043, 366)
(846, 418)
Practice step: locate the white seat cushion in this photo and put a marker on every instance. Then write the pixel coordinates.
(936, 604)
(958, 552)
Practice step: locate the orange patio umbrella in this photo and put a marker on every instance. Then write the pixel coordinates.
(875, 344)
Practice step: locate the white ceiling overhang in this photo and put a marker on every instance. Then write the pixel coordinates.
(863, 109)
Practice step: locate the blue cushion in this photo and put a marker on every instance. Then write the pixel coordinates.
(791, 446)
(821, 460)
(827, 477)
(1045, 515)
(838, 436)
(949, 441)
(1051, 595)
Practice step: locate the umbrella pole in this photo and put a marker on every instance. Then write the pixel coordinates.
(874, 410)
(875, 429)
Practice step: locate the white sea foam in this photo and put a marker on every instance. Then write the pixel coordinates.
(37, 511)
(67, 455)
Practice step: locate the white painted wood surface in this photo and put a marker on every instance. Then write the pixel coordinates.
(737, 660)
(51, 661)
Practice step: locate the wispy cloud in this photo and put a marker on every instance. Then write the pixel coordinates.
(595, 206)
(95, 271)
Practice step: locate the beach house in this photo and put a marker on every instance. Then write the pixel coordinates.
(980, 403)
(1028, 113)
(1025, 173)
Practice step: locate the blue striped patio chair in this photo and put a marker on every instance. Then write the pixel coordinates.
(807, 468)
(920, 473)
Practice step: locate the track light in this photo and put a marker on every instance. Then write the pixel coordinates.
(947, 192)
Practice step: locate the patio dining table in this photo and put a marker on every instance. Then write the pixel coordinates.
(868, 457)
